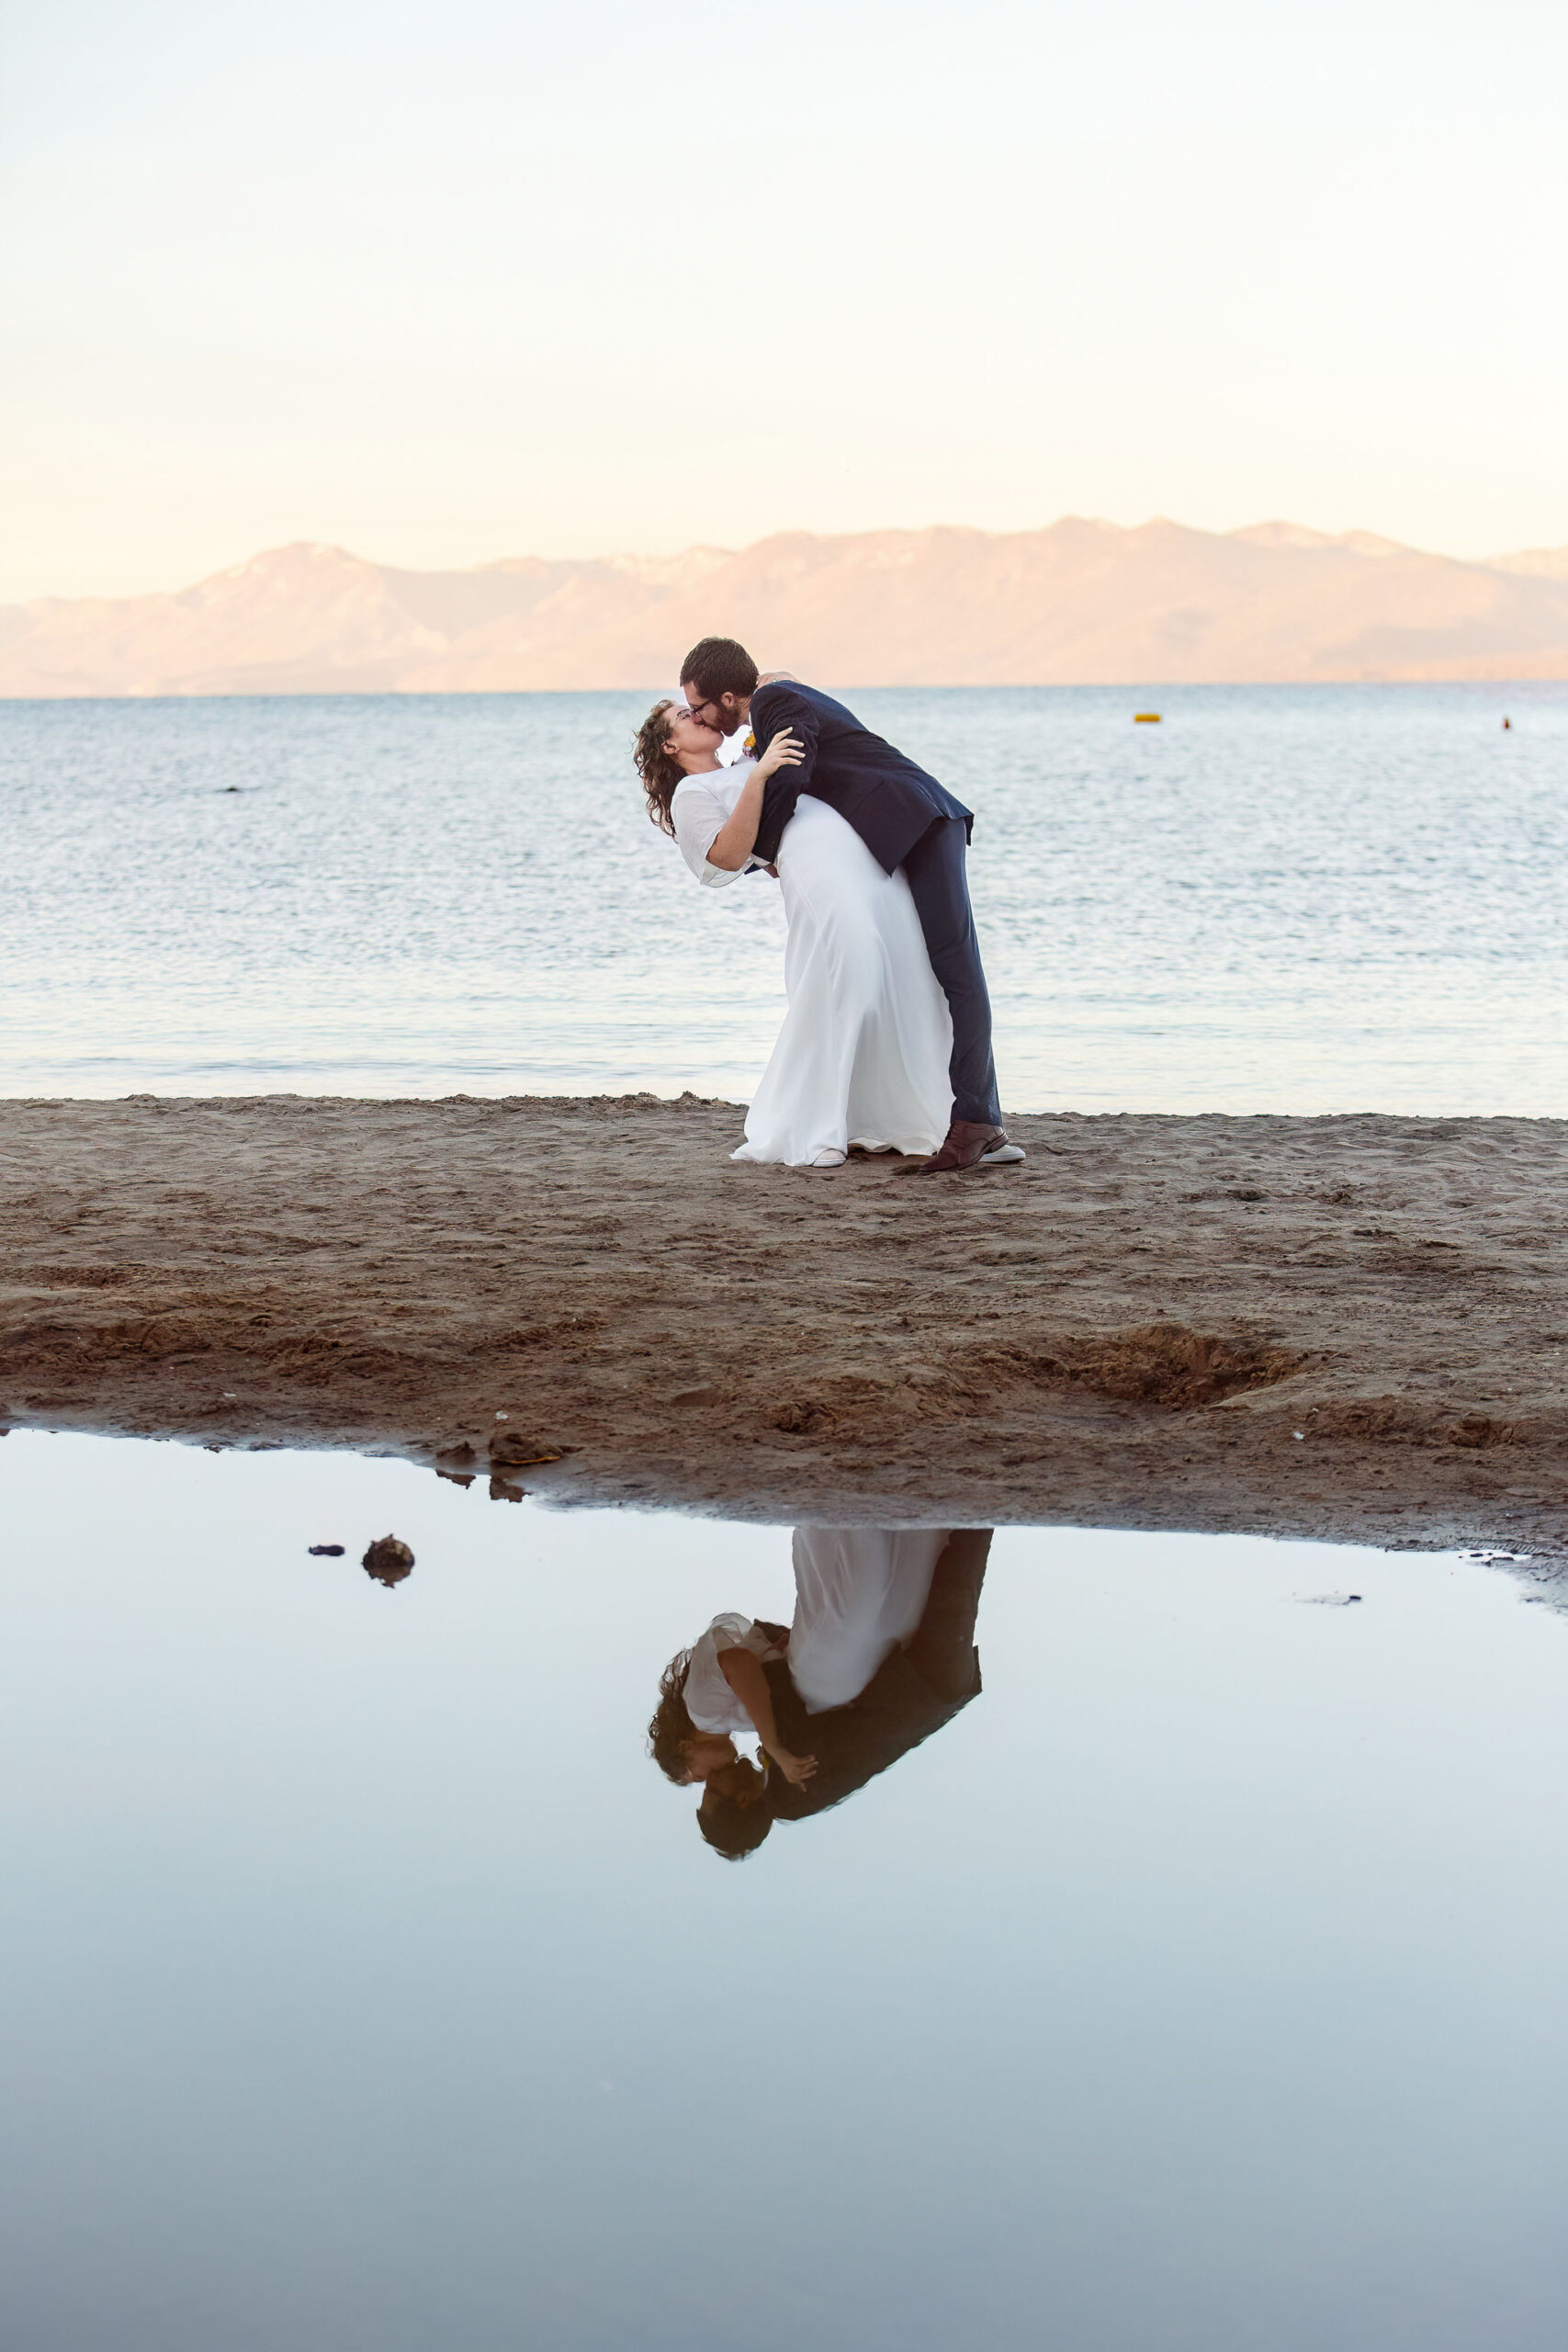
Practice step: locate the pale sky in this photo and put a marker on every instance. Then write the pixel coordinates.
(446, 280)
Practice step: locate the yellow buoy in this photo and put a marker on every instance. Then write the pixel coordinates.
(1146, 719)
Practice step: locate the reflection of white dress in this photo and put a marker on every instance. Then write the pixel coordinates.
(863, 1056)
(859, 1595)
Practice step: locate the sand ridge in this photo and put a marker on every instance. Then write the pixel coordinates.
(1352, 1327)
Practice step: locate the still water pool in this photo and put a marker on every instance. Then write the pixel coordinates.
(1198, 1983)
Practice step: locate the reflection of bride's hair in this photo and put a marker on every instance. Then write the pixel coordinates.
(656, 763)
(671, 1723)
(732, 1816)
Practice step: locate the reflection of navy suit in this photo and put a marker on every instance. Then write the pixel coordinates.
(906, 819)
(912, 1695)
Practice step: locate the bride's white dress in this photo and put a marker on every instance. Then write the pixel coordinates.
(860, 1593)
(863, 1058)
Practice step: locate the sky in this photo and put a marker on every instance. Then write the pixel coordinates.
(449, 280)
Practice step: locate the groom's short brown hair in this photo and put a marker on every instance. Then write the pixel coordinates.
(718, 666)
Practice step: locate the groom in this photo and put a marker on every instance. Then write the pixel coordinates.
(905, 818)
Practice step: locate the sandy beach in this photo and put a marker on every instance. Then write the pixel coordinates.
(1343, 1328)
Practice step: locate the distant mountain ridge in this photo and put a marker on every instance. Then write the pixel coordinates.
(1080, 602)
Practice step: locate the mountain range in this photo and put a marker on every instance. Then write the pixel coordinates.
(1080, 602)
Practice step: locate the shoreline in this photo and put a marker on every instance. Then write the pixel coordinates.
(1130, 1329)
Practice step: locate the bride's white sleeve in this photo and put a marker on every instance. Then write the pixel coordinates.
(699, 817)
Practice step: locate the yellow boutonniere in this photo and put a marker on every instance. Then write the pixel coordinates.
(750, 745)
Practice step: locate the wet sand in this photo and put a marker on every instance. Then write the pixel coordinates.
(1131, 1329)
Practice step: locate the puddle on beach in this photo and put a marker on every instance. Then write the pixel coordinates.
(1196, 1982)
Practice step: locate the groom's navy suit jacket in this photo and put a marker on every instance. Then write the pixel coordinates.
(888, 800)
(896, 1712)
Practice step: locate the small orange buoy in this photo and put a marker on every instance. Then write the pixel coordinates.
(1507, 722)
(1146, 719)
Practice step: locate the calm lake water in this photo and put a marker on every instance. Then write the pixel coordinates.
(1279, 900)
(367, 1989)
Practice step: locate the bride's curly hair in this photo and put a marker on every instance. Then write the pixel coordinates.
(656, 763)
(671, 1723)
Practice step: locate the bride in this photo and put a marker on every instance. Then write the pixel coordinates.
(861, 1060)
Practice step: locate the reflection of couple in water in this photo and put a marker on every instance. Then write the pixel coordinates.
(879, 1655)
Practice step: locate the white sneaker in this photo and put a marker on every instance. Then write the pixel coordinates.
(1002, 1155)
(830, 1160)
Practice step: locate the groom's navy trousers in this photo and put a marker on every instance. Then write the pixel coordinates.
(905, 818)
(939, 887)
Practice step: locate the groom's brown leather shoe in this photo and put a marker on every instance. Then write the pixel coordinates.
(971, 1142)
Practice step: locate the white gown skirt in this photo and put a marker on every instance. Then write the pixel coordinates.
(863, 1057)
(860, 1593)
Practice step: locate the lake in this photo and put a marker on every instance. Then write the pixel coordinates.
(1279, 899)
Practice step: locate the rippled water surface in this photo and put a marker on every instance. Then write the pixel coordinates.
(1198, 1983)
(1279, 899)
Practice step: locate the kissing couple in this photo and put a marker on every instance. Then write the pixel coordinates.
(886, 1043)
(879, 1656)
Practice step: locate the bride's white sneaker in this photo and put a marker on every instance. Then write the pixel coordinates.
(1002, 1155)
(827, 1160)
